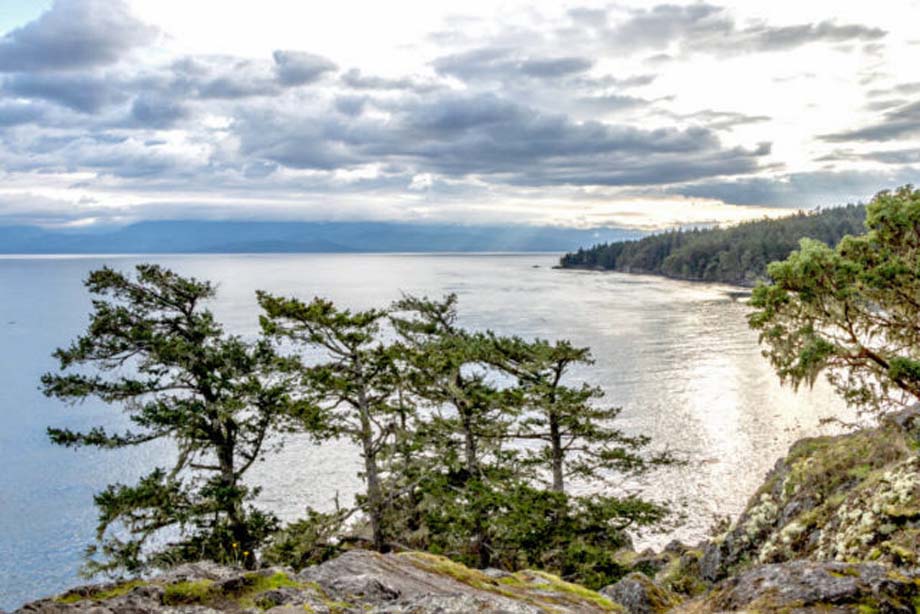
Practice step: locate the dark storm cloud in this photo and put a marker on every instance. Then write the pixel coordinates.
(504, 63)
(482, 134)
(300, 68)
(897, 123)
(74, 34)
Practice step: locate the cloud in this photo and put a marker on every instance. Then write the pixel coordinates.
(706, 28)
(74, 34)
(612, 102)
(463, 135)
(300, 68)
(891, 156)
(355, 79)
(155, 111)
(223, 77)
(502, 63)
(350, 105)
(900, 89)
(15, 113)
(86, 93)
(553, 68)
(803, 190)
(899, 122)
(723, 120)
(537, 113)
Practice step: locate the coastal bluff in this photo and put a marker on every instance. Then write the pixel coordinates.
(835, 527)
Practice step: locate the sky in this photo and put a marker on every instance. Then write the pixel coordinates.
(584, 114)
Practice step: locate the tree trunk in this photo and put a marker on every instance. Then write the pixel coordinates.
(232, 504)
(372, 476)
(469, 445)
(558, 454)
(471, 449)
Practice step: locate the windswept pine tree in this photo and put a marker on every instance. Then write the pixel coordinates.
(355, 381)
(470, 417)
(578, 436)
(155, 351)
(443, 417)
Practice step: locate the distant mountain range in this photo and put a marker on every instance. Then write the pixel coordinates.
(293, 237)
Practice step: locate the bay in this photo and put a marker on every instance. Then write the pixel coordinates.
(678, 357)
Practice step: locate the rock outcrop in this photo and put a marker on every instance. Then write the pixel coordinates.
(356, 582)
(834, 528)
(850, 498)
(807, 586)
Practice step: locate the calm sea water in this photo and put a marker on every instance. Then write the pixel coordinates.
(678, 357)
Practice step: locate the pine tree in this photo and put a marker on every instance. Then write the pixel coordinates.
(154, 349)
(355, 381)
(579, 436)
(447, 372)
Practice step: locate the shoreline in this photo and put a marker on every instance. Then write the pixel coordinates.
(746, 287)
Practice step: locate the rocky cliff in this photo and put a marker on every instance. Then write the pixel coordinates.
(834, 528)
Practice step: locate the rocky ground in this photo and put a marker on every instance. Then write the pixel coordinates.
(834, 528)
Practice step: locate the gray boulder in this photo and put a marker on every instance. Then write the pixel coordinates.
(639, 595)
(356, 582)
(807, 586)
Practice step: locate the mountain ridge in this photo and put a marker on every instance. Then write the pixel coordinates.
(198, 236)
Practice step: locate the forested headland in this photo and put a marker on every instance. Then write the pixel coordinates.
(736, 255)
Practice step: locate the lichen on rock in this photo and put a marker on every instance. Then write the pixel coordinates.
(851, 498)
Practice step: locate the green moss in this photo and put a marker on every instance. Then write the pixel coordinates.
(255, 583)
(682, 576)
(188, 593)
(536, 588)
(245, 595)
(279, 579)
(558, 584)
(444, 566)
(845, 572)
(860, 472)
(821, 465)
(100, 594)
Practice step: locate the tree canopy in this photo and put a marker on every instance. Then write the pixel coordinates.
(735, 254)
(153, 349)
(469, 439)
(850, 311)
